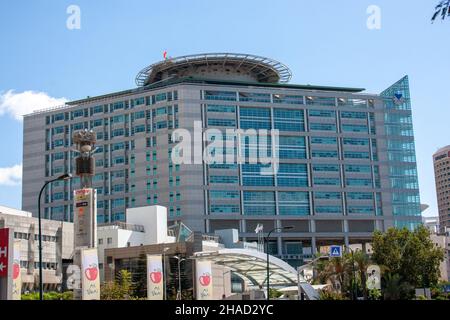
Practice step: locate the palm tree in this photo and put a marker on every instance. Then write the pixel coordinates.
(362, 262)
(391, 287)
(335, 270)
(395, 288)
(443, 9)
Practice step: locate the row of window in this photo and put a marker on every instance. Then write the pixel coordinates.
(290, 202)
(26, 236)
(109, 108)
(119, 119)
(289, 120)
(286, 99)
(45, 265)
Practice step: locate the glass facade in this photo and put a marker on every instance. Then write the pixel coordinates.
(401, 154)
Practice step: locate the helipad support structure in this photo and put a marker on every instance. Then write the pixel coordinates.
(216, 66)
(346, 158)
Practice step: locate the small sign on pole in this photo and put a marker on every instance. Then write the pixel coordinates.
(335, 251)
(373, 277)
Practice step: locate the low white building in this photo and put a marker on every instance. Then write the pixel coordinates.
(57, 243)
(144, 226)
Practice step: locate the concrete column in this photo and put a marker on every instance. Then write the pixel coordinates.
(312, 226)
(345, 226)
(280, 245)
(313, 246)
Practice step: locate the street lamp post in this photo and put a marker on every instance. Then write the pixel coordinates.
(164, 273)
(179, 275)
(266, 239)
(66, 176)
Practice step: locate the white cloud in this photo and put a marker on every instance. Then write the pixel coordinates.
(11, 176)
(19, 104)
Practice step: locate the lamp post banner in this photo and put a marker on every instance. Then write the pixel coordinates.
(6, 263)
(16, 274)
(90, 274)
(204, 280)
(155, 277)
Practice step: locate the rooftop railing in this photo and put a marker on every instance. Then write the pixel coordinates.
(123, 225)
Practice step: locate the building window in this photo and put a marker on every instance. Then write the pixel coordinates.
(220, 95)
(322, 113)
(109, 241)
(222, 122)
(289, 120)
(221, 108)
(259, 203)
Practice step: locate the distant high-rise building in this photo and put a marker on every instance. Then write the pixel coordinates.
(347, 161)
(441, 160)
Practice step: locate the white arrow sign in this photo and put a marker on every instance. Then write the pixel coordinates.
(4, 252)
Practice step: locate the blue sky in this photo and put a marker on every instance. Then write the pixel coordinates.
(324, 43)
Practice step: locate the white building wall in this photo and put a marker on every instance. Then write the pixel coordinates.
(442, 241)
(154, 220)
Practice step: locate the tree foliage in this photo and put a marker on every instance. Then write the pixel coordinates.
(442, 9)
(411, 255)
(274, 293)
(139, 277)
(407, 259)
(345, 274)
(52, 295)
(119, 289)
(331, 295)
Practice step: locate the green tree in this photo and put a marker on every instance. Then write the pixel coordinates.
(337, 271)
(374, 294)
(395, 288)
(362, 262)
(331, 295)
(408, 256)
(274, 293)
(438, 293)
(51, 295)
(120, 289)
(442, 9)
(140, 277)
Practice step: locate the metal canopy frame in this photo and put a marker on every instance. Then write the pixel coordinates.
(251, 265)
(266, 70)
